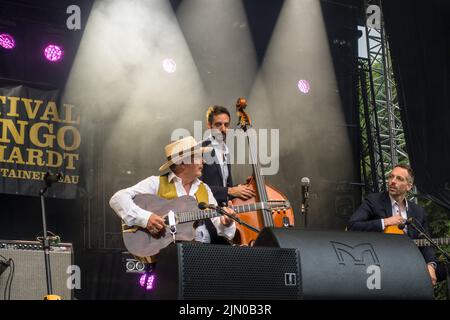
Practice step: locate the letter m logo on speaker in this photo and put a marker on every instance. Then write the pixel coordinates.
(356, 255)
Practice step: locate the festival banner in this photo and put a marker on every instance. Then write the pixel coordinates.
(38, 134)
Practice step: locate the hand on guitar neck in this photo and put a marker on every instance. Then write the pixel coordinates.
(227, 221)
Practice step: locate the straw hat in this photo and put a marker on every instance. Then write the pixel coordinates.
(182, 149)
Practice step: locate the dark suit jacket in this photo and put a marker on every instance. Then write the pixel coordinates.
(212, 176)
(378, 206)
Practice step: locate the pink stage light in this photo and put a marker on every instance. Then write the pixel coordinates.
(53, 53)
(147, 281)
(304, 86)
(7, 41)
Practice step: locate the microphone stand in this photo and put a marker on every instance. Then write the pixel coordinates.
(305, 199)
(224, 213)
(46, 243)
(304, 210)
(437, 247)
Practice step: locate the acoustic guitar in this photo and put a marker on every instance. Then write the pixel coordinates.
(426, 243)
(393, 230)
(418, 242)
(141, 243)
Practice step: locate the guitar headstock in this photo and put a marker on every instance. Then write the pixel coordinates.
(244, 118)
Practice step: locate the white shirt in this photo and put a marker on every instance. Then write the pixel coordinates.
(396, 211)
(122, 203)
(222, 153)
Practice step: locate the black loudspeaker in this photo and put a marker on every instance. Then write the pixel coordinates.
(204, 271)
(354, 265)
(29, 278)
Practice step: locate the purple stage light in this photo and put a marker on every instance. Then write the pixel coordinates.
(142, 279)
(53, 53)
(304, 86)
(7, 41)
(146, 281)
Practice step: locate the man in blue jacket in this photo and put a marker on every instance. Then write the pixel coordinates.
(382, 210)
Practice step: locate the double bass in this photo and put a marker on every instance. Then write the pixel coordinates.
(264, 192)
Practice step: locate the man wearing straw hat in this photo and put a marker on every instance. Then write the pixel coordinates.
(185, 164)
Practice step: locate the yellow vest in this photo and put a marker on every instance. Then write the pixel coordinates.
(168, 191)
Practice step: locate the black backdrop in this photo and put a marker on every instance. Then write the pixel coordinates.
(419, 37)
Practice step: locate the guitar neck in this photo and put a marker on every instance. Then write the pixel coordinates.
(190, 216)
(438, 241)
(249, 207)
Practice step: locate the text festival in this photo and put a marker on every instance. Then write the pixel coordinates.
(32, 142)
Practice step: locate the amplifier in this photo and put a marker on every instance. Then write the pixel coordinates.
(29, 277)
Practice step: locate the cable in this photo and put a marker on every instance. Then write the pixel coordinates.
(419, 226)
(3, 258)
(13, 270)
(6, 284)
(7, 281)
(10, 263)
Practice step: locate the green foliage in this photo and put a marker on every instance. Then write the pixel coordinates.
(439, 225)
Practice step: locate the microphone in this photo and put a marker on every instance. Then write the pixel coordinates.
(203, 206)
(50, 178)
(408, 221)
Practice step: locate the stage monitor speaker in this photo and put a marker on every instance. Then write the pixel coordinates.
(29, 277)
(354, 265)
(204, 271)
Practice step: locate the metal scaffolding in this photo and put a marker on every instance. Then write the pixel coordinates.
(382, 137)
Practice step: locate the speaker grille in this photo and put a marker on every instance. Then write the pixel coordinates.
(29, 282)
(218, 272)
